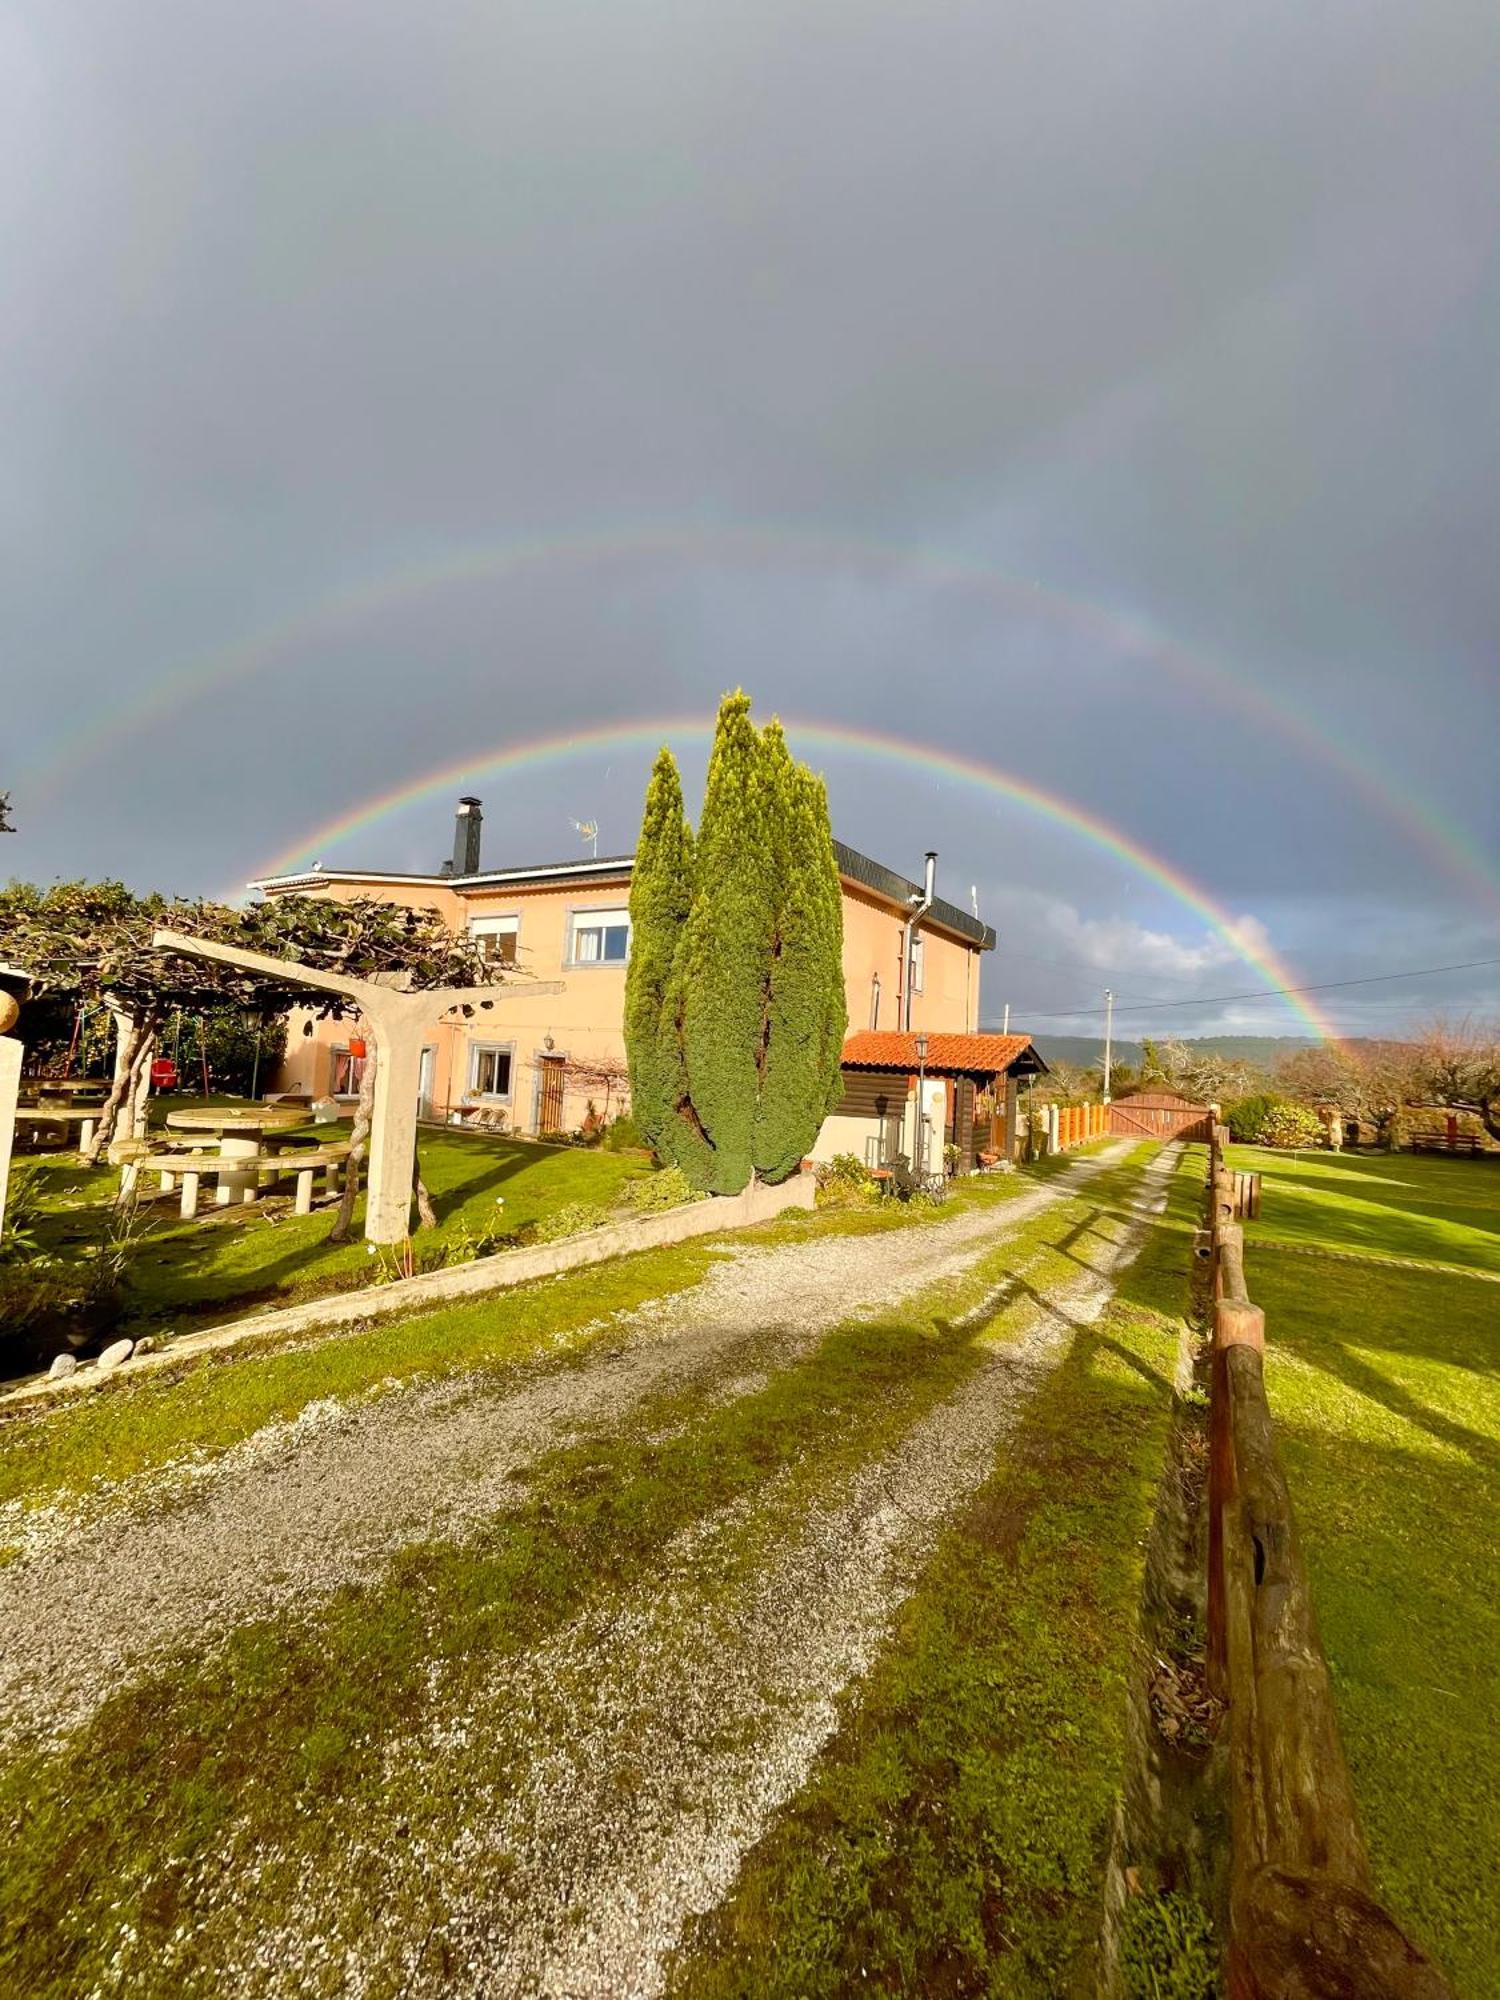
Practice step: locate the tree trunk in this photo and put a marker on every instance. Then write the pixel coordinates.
(359, 1140)
(136, 1041)
(426, 1213)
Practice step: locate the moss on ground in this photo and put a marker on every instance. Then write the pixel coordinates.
(1385, 1384)
(280, 1741)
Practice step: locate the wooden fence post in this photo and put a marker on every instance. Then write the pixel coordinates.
(1303, 1923)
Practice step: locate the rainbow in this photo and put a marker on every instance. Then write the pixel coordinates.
(1450, 849)
(811, 735)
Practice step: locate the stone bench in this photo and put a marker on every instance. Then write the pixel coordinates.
(304, 1162)
(193, 1159)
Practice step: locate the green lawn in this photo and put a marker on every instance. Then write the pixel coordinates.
(1384, 1205)
(234, 1257)
(1385, 1383)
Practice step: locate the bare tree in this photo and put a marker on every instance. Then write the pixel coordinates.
(1369, 1080)
(1457, 1064)
(608, 1075)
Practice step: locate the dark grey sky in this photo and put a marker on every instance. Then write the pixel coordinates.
(1109, 392)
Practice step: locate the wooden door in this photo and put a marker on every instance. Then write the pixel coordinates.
(550, 1107)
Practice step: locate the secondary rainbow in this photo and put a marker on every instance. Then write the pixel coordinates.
(1448, 847)
(806, 734)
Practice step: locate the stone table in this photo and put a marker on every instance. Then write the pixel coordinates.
(240, 1129)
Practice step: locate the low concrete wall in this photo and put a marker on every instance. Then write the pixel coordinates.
(458, 1281)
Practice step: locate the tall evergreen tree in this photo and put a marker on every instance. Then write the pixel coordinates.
(661, 891)
(804, 1012)
(719, 979)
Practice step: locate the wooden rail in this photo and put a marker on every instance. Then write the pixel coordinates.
(1303, 1922)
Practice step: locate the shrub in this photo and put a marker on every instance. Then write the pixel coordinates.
(653, 1193)
(622, 1134)
(1247, 1118)
(23, 1212)
(572, 1219)
(845, 1182)
(1291, 1125)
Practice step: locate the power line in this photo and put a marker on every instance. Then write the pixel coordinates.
(1259, 993)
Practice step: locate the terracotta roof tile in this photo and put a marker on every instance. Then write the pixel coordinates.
(876, 1048)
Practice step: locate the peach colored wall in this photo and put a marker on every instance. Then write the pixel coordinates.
(873, 935)
(586, 1020)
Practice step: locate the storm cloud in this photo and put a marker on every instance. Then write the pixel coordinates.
(1107, 393)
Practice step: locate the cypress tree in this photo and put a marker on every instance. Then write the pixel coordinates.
(804, 1011)
(661, 889)
(719, 980)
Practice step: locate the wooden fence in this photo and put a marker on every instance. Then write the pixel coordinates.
(1303, 1922)
(1152, 1114)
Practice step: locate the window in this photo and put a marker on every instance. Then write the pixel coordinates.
(489, 1069)
(917, 955)
(600, 937)
(496, 938)
(875, 1001)
(347, 1071)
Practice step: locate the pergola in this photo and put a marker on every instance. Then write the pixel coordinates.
(398, 1020)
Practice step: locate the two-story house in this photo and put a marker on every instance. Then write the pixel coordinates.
(911, 967)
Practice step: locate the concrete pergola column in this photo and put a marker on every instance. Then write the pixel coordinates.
(398, 1021)
(10, 1090)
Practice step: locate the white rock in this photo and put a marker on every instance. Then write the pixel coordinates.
(114, 1354)
(62, 1364)
(144, 1346)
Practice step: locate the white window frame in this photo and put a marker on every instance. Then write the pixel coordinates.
(483, 929)
(918, 962)
(478, 1049)
(608, 917)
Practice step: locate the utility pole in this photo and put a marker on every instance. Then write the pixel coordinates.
(1109, 1024)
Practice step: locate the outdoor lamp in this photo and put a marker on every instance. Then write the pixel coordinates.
(921, 1048)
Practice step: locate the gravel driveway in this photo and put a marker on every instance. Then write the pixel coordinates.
(300, 1508)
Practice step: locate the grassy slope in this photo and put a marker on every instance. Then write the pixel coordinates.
(953, 1834)
(227, 1257)
(1386, 1389)
(283, 1737)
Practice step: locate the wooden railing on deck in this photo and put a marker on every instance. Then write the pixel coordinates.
(1302, 1919)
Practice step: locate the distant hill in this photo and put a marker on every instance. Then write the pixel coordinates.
(1084, 1052)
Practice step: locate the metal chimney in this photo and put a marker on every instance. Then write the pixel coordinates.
(920, 906)
(467, 827)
